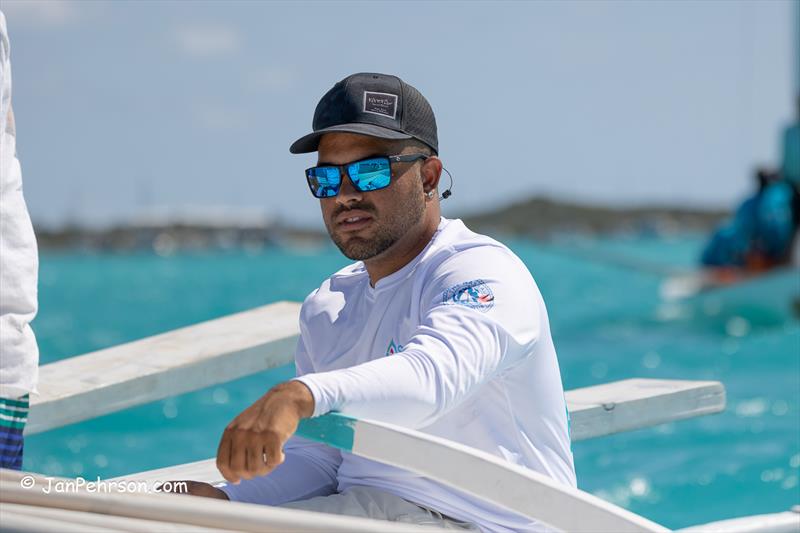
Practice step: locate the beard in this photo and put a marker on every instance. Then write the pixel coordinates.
(386, 229)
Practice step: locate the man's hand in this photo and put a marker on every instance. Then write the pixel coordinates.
(194, 488)
(252, 445)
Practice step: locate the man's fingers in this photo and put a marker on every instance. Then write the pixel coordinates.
(238, 461)
(252, 444)
(256, 464)
(273, 452)
(224, 457)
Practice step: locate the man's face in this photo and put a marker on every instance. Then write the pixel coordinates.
(365, 225)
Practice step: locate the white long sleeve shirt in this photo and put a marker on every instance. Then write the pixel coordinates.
(455, 344)
(19, 260)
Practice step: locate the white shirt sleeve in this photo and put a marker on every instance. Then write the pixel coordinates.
(456, 348)
(19, 260)
(309, 468)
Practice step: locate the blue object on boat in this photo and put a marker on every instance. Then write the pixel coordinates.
(763, 226)
(731, 242)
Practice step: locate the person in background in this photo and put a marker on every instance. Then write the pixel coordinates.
(19, 264)
(763, 232)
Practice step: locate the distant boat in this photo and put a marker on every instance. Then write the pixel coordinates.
(776, 292)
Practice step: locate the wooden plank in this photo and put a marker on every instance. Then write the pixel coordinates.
(205, 470)
(25, 523)
(18, 517)
(157, 367)
(638, 403)
(493, 480)
(186, 510)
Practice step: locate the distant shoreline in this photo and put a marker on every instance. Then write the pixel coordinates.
(538, 218)
(542, 218)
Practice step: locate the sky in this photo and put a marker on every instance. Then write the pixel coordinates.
(126, 107)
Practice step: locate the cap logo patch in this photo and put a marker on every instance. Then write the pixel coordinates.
(380, 104)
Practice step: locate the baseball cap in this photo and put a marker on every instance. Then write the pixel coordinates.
(378, 105)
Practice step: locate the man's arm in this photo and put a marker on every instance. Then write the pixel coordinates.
(298, 468)
(481, 314)
(252, 444)
(19, 260)
(456, 349)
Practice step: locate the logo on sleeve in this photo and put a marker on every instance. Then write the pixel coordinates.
(393, 348)
(380, 104)
(474, 294)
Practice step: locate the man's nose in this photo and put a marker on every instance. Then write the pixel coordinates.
(347, 192)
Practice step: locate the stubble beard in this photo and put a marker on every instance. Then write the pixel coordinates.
(389, 229)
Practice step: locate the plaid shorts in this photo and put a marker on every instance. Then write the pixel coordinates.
(13, 415)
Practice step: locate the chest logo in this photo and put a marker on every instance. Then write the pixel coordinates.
(474, 294)
(393, 348)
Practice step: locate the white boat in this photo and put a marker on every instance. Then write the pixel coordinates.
(773, 294)
(220, 350)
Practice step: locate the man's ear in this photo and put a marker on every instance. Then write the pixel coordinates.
(431, 173)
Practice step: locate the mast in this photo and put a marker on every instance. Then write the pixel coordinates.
(796, 46)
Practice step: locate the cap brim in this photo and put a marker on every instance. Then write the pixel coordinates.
(310, 142)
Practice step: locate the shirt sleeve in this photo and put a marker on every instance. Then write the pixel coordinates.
(309, 468)
(480, 314)
(19, 261)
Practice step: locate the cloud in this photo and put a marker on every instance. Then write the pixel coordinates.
(203, 40)
(41, 13)
(270, 79)
(50, 14)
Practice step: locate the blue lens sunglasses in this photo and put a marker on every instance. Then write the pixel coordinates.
(366, 175)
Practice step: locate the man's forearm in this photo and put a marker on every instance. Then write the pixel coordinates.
(252, 444)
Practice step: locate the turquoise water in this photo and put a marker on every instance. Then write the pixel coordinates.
(607, 321)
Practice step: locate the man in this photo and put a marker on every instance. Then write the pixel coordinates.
(434, 327)
(19, 355)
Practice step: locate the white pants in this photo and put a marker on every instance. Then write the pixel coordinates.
(367, 502)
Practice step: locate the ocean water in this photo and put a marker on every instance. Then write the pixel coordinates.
(608, 323)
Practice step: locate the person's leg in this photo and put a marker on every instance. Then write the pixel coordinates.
(13, 415)
(367, 502)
